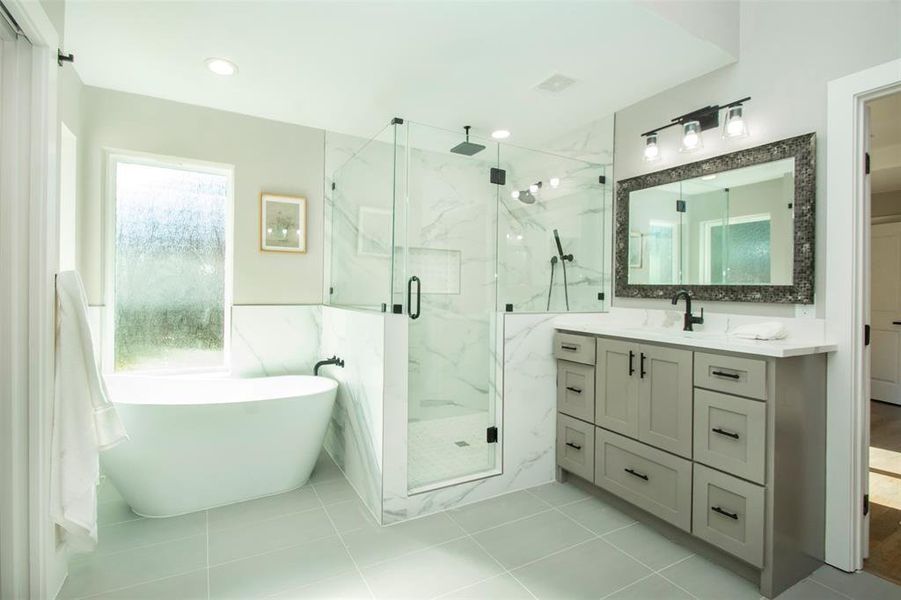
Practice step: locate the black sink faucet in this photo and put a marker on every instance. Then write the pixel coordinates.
(334, 360)
(690, 320)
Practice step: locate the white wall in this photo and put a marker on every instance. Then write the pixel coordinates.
(267, 156)
(789, 50)
(886, 204)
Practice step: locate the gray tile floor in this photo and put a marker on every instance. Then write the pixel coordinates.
(553, 541)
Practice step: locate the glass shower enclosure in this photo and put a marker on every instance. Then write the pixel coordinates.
(450, 240)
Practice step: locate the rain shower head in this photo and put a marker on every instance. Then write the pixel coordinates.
(467, 148)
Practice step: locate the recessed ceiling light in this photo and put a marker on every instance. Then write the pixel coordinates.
(708, 177)
(221, 66)
(500, 134)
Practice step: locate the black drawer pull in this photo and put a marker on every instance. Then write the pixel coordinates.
(725, 513)
(724, 432)
(574, 389)
(643, 372)
(631, 363)
(896, 322)
(636, 474)
(724, 374)
(576, 446)
(569, 347)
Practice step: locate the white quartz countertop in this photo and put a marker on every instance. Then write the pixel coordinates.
(803, 338)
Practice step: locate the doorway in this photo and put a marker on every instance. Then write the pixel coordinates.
(883, 550)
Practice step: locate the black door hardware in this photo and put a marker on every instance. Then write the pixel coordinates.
(722, 431)
(574, 389)
(631, 363)
(569, 347)
(724, 512)
(642, 373)
(635, 473)
(414, 278)
(491, 435)
(576, 446)
(724, 374)
(896, 322)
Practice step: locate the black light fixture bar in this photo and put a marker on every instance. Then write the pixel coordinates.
(708, 117)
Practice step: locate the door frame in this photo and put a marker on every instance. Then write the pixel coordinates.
(31, 564)
(847, 301)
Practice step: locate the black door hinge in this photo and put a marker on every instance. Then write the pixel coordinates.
(866, 504)
(680, 206)
(866, 163)
(491, 436)
(866, 335)
(498, 176)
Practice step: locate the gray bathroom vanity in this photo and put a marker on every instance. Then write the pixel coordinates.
(722, 440)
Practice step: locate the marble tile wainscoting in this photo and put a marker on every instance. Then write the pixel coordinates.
(527, 424)
(269, 340)
(354, 437)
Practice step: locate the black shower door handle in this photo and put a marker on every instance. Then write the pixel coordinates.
(414, 278)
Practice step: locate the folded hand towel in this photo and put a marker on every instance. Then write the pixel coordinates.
(771, 330)
(84, 420)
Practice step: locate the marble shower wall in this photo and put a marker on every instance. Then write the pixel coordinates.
(580, 208)
(354, 438)
(527, 427)
(358, 219)
(275, 340)
(451, 239)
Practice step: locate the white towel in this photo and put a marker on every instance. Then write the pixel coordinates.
(85, 422)
(771, 330)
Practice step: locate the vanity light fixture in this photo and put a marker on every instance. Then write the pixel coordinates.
(735, 126)
(500, 134)
(691, 136)
(696, 122)
(221, 66)
(651, 150)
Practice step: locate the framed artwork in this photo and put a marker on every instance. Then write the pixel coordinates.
(635, 249)
(283, 223)
(374, 232)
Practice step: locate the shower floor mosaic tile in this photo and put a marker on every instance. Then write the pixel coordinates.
(553, 541)
(448, 448)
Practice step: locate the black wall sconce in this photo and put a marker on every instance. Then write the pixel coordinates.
(697, 121)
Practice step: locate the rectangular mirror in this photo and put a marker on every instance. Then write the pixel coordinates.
(737, 227)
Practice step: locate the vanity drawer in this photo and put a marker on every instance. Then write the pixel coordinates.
(651, 479)
(575, 446)
(575, 390)
(730, 434)
(728, 513)
(731, 374)
(575, 348)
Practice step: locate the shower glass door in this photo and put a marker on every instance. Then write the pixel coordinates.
(447, 253)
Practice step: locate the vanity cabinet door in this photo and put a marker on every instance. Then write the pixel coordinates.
(616, 388)
(665, 399)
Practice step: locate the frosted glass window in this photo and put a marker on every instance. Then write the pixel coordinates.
(740, 253)
(170, 267)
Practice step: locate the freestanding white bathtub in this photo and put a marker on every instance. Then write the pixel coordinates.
(199, 443)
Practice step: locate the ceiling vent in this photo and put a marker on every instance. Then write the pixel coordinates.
(555, 83)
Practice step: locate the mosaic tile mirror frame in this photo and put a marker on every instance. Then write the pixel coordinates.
(716, 279)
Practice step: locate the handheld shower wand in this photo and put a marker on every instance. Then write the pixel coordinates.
(563, 258)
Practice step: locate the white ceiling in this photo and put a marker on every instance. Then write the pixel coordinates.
(351, 66)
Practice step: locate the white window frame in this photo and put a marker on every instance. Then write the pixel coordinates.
(112, 159)
(704, 255)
